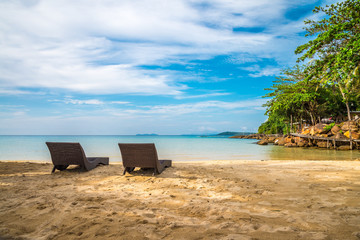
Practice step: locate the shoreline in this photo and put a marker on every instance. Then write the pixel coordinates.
(205, 162)
(236, 199)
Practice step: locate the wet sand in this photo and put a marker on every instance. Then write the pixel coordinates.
(204, 200)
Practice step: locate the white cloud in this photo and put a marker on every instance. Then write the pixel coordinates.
(258, 71)
(119, 102)
(206, 95)
(14, 92)
(203, 107)
(70, 100)
(90, 101)
(97, 47)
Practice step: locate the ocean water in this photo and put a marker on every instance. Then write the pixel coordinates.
(177, 148)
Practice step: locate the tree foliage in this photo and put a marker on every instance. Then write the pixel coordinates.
(328, 81)
(336, 49)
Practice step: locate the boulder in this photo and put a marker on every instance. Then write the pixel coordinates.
(339, 136)
(320, 128)
(335, 129)
(262, 142)
(290, 144)
(271, 139)
(354, 135)
(299, 140)
(322, 144)
(343, 147)
(302, 144)
(349, 124)
(305, 131)
(289, 140)
(281, 141)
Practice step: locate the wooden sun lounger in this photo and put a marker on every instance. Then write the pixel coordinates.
(64, 154)
(142, 155)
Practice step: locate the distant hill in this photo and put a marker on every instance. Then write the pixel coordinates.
(229, 134)
(147, 134)
(234, 133)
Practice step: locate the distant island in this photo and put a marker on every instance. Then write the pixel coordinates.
(229, 134)
(147, 134)
(234, 133)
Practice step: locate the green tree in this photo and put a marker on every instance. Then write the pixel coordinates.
(335, 50)
(274, 124)
(294, 97)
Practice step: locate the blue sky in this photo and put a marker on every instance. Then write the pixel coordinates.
(143, 66)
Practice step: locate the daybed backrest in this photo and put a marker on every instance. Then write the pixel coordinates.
(139, 155)
(63, 153)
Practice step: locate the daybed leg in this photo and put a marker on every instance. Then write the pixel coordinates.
(124, 171)
(53, 170)
(154, 173)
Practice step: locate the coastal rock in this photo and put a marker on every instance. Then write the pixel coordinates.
(320, 128)
(349, 124)
(302, 144)
(271, 139)
(344, 147)
(262, 142)
(339, 136)
(335, 129)
(289, 140)
(281, 142)
(290, 144)
(305, 131)
(322, 144)
(354, 135)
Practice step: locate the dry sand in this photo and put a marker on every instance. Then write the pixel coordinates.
(207, 200)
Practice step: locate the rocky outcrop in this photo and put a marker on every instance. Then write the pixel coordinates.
(335, 129)
(354, 135)
(343, 147)
(339, 136)
(346, 126)
(331, 132)
(250, 136)
(290, 144)
(322, 144)
(262, 142)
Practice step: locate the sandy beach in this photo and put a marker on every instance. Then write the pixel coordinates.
(191, 200)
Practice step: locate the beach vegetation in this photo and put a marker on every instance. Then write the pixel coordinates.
(329, 127)
(325, 82)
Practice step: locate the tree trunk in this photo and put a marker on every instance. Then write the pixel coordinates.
(311, 117)
(348, 113)
(291, 123)
(349, 122)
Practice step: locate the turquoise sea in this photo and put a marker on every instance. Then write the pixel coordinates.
(177, 148)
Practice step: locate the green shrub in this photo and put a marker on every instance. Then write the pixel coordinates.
(329, 127)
